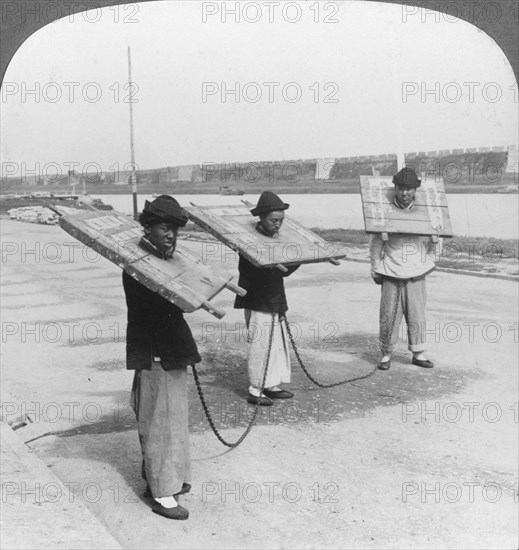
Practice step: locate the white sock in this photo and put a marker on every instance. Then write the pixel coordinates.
(386, 358)
(167, 502)
(254, 391)
(274, 388)
(420, 356)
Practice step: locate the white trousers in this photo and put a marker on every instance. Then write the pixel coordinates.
(259, 325)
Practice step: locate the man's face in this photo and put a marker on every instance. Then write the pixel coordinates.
(404, 195)
(162, 235)
(272, 222)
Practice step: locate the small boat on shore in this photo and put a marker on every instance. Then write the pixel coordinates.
(35, 207)
(226, 190)
(508, 189)
(32, 200)
(88, 201)
(33, 214)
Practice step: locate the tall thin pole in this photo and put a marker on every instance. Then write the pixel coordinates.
(396, 77)
(133, 176)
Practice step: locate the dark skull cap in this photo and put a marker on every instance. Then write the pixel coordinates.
(268, 202)
(164, 209)
(407, 178)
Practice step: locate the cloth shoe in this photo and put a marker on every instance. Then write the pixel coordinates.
(178, 512)
(278, 394)
(384, 365)
(261, 400)
(424, 363)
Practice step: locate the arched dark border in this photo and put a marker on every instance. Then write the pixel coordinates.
(504, 30)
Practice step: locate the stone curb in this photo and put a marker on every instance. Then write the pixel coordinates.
(32, 522)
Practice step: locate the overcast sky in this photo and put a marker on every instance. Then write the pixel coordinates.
(374, 60)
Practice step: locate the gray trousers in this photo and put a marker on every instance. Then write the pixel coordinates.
(411, 306)
(161, 406)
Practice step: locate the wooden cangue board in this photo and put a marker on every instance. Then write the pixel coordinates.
(183, 280)
(235, 226)
(429, 215)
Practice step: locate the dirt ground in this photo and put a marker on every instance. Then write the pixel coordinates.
(408, 458)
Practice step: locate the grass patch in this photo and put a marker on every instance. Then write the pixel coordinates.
(344, 236)
(460, 252)
(482, 254)
(485, 247)
(488, 248)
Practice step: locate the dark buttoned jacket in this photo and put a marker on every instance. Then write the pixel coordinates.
(156, 328)
(265, 288)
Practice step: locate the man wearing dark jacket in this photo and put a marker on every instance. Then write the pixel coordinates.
(265, 305)
(159, 347)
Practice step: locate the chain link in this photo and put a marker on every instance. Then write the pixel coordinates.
(301, 364)
(355, 378)
(347, 381)
(387, 343)
(251, 422)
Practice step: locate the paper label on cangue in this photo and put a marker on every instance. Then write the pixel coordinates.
(378, 213)
(376, 192)
(434, 206)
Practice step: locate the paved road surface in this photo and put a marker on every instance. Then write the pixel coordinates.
(404, 459)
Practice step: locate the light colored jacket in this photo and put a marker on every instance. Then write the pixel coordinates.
(402, 256)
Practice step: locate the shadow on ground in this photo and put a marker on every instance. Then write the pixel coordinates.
(224, 382)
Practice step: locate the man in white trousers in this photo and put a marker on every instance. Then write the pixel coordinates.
(265, 306)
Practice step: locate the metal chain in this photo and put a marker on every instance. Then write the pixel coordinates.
(348, 380)
(354, 379)
(251, 422)
(387, 343)
(294, 347)
(296, 352)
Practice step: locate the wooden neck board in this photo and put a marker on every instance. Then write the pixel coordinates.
(429, 215)
(183, 280)
(235, 226)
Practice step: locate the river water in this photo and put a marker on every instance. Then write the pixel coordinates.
(474, 215)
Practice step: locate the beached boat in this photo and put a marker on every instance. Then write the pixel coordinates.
(32, 200)
(508, 189)
(33, 214)
(226, 190)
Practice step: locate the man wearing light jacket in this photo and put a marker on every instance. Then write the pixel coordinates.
(401, 265)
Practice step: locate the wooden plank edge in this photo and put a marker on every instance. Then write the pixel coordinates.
(235, 288)
(213, 310)
(381, 232)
